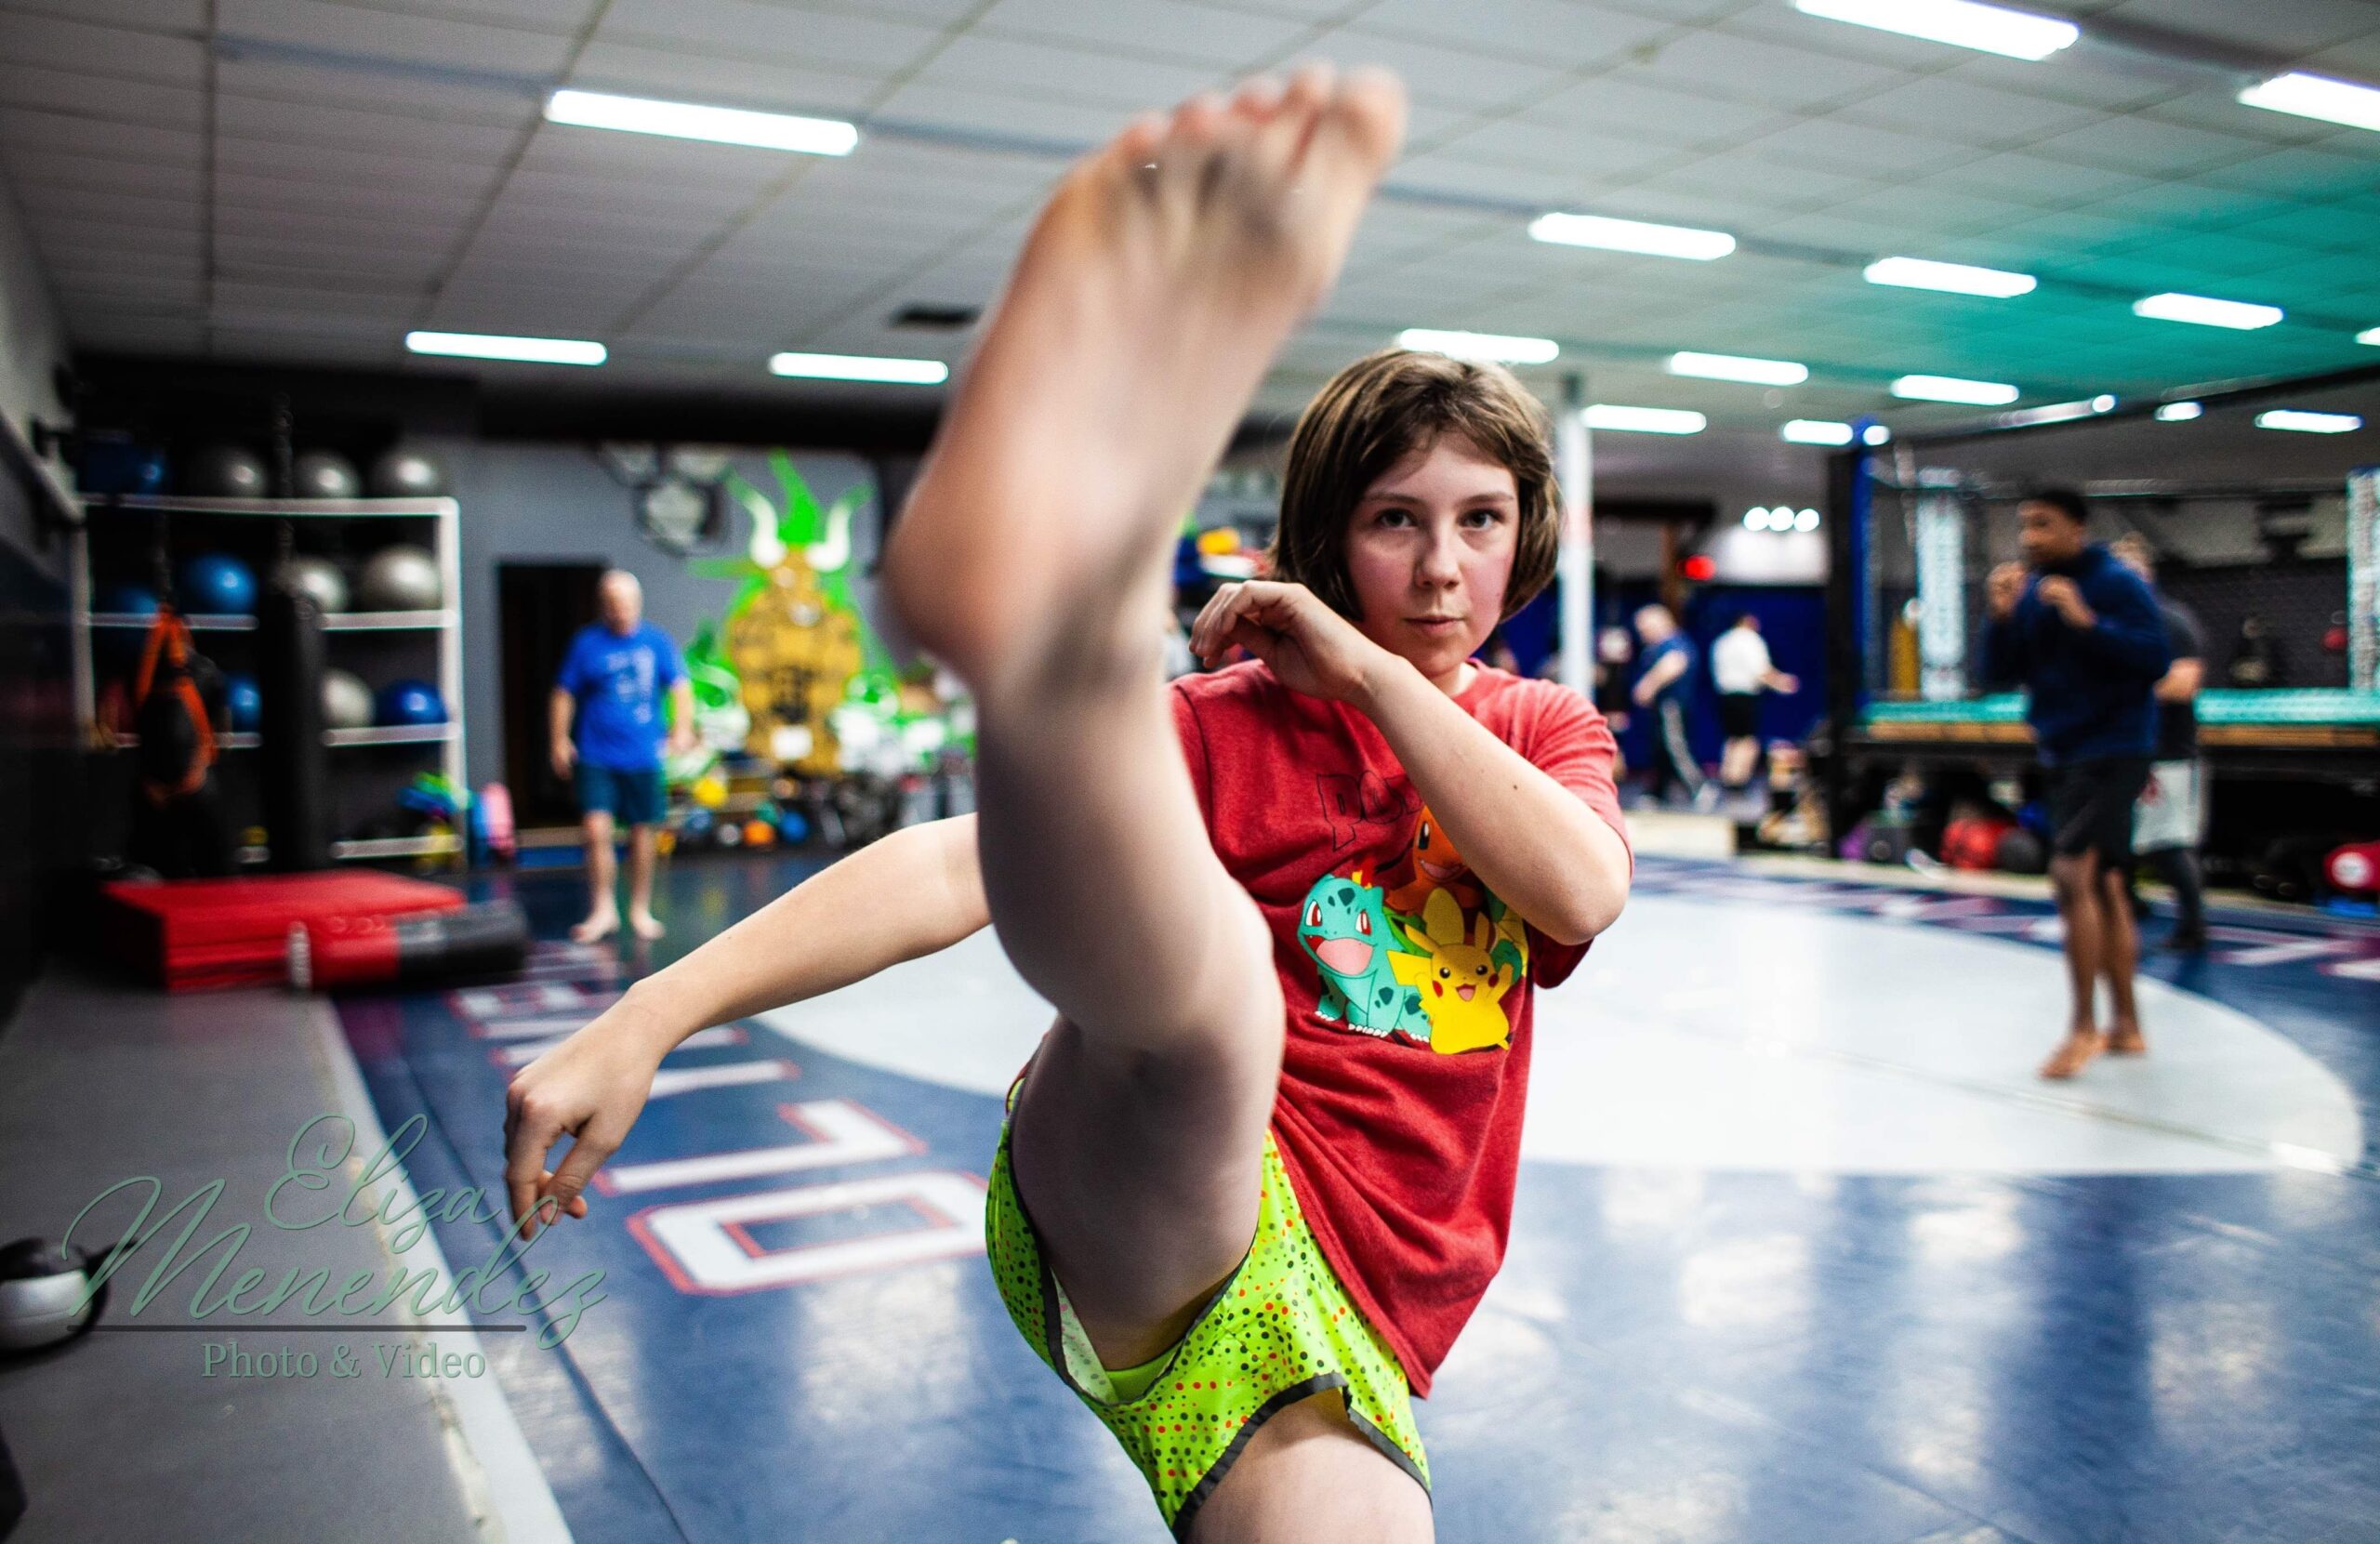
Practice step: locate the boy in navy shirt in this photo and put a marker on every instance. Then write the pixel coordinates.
(1665, 675)
(2081, 633)
(607, 729)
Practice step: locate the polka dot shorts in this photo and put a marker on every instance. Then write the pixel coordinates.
(1282, 1329)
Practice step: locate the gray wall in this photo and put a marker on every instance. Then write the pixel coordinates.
(556, 503)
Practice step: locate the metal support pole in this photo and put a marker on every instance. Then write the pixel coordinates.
(1575, 563)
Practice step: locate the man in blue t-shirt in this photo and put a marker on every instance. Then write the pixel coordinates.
(2079, 632)
(1665, 674)
(608, 732)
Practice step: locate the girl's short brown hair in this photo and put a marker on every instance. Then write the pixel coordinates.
(1380, 410)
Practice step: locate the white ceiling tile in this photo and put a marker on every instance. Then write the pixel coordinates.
(391, 167)
(1436, 73)
(56, 43)
(395, 36)
(1205, 35)
(1079, 75)
(1530, 144)
(998, 114)
(2030, 178)
(372, 204)
(30, 166)
(835, 42)
(2314, 176)
(769, 84)
(1765, 72)
(185, 17)
(444, 138)
(2284, 26)
(1833, 145)
(1559, 33)
(101, 98)
(2146, 147)
(1637, 105)
(1943, 108)
(549, 15)
(416, 93)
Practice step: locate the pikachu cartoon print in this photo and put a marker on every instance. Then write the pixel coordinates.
(1425, 952)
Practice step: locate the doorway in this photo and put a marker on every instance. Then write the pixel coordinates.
(539, 607)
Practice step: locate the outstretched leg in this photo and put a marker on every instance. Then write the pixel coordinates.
(1148, 302)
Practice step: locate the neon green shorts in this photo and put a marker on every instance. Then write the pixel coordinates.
(1280, 1330)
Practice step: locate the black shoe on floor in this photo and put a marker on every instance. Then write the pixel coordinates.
(2192, 941)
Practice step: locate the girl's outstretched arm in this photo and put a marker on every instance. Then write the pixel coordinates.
(914, 892)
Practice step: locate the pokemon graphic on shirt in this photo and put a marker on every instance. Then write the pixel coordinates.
(1431, 959)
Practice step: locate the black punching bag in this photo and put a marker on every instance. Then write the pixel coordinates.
(297, 769)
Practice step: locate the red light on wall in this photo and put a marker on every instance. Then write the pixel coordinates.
(1700, 566)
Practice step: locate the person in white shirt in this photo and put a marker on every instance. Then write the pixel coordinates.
(1741, 669)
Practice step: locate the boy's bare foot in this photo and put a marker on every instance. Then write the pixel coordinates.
(603, 922)
(645, 925)
(1150, 299)
(2125, 1040)
(2080, 1049)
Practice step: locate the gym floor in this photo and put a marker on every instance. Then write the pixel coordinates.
(1803, 1250)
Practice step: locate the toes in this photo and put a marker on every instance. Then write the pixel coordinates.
(1257, 99)
(1284, 137)
(1360, 129)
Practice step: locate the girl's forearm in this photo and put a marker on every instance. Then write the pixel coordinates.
(1531, 840)
(915, 891)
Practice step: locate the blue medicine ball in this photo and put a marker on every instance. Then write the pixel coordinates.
(409, 702)
(240, 695)
(214, 584)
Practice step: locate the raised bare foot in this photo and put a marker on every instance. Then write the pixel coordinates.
(2125, 1040)
(2080, 1049)
(600, 923)
(645, 925)
(1150, 299)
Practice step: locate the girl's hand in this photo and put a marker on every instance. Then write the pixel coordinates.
(1311, 647)
(592, 1085)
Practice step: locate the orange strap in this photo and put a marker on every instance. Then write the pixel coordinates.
(170, 635)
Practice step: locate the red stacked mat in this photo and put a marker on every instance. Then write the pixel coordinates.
(198, 935)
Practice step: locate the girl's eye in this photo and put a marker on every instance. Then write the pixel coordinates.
(1482, 517)
(1394, 516)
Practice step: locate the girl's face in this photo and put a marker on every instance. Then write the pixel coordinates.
(1429, 551)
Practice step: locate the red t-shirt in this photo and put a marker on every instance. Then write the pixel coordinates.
(1399, 1111)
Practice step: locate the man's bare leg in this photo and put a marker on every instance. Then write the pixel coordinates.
(602, 912)
(641, 919)
(2076, 882)
(2118, 956)
(1148, 302)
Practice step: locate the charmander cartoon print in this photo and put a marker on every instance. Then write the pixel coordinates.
(1461, 981)
(1345, 930)
(1431, 863)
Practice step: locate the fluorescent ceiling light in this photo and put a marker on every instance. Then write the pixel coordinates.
(2056, 413)
(2178, 413)
(2103, 402)
(2206, 312)
(1957, 278)
(2316, 97)
(1494, 347)
(1633, 236)
(1756, 518)
(1875, 434)
(1760, 372)
(2308, 423)
(1992, 29)
(905, 372)
(724, 125)
(2369, 335)
(1815, 432)
(1807, 521)
(1950, 389)
(1645, 420)
(534, 350)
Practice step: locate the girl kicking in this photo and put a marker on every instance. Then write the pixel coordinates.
(1260, 1170)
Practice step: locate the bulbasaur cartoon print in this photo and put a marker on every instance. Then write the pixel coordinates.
(1461, 971)
(1345, 926)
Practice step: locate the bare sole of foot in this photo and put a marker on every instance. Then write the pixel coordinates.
(1150, 299)
(2079, 1051)
(647, 925)
(598, 927)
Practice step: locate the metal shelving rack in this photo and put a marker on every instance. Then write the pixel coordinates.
(440, 516)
